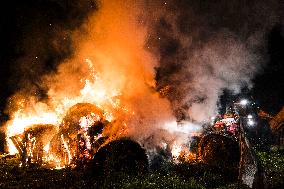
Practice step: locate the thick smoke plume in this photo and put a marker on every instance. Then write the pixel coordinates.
(206, 47)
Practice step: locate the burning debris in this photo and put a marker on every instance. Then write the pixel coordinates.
(79, 136)
(78, 139)
(81, 132)
(32, 143)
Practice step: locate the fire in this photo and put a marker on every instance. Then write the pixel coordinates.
(21, 121)
(176, 151)
(111, 70)
(182, 153)
(89, 120)
(94, 91)
(95, 75)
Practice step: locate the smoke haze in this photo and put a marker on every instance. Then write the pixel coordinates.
(206, 47)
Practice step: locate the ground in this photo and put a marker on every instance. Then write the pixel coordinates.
(162, 174)
(182, 175)
(272, 164)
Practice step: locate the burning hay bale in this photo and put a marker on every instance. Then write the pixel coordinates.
(80, 134)
(43, 133)
(80, 141)
(82, 113)
(219, 150)
(31, 143)
(123, 155)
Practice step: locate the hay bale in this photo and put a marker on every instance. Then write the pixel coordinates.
(72, 133)
(70, 123)
(219, 150)
(123, 155)
(43, 133)
(56, 147)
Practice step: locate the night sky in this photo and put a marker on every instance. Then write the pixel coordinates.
(269, 85)
(35, 38)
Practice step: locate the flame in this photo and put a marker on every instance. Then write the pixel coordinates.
(176, 151)
(66, 149)
(94, 91)
(46, 148)
(96, 74)
(22, 121)
(89, 120)
(182, 153)
(110, 69)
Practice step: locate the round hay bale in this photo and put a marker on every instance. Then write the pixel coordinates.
(79, 133)
(56, 147)
(219, 150)
(43, 133)
(70, 123)
(123, 155)
(40, 135)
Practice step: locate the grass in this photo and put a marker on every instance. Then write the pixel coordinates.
(272, 163)
(195, 176)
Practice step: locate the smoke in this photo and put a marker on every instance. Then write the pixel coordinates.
(206, 47)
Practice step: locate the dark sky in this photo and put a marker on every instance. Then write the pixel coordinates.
(35, 37)
(269, 85)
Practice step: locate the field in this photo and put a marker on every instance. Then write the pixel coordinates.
(168, 175)
(272, 163)
(164, 174)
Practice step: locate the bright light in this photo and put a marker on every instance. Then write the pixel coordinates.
(249, 116)
(182, 127)
(250, 122)
(176, 150)
(244, 102)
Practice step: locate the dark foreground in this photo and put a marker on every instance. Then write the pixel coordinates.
(169, 176)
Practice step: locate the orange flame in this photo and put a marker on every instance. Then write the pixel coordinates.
(111, 69)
